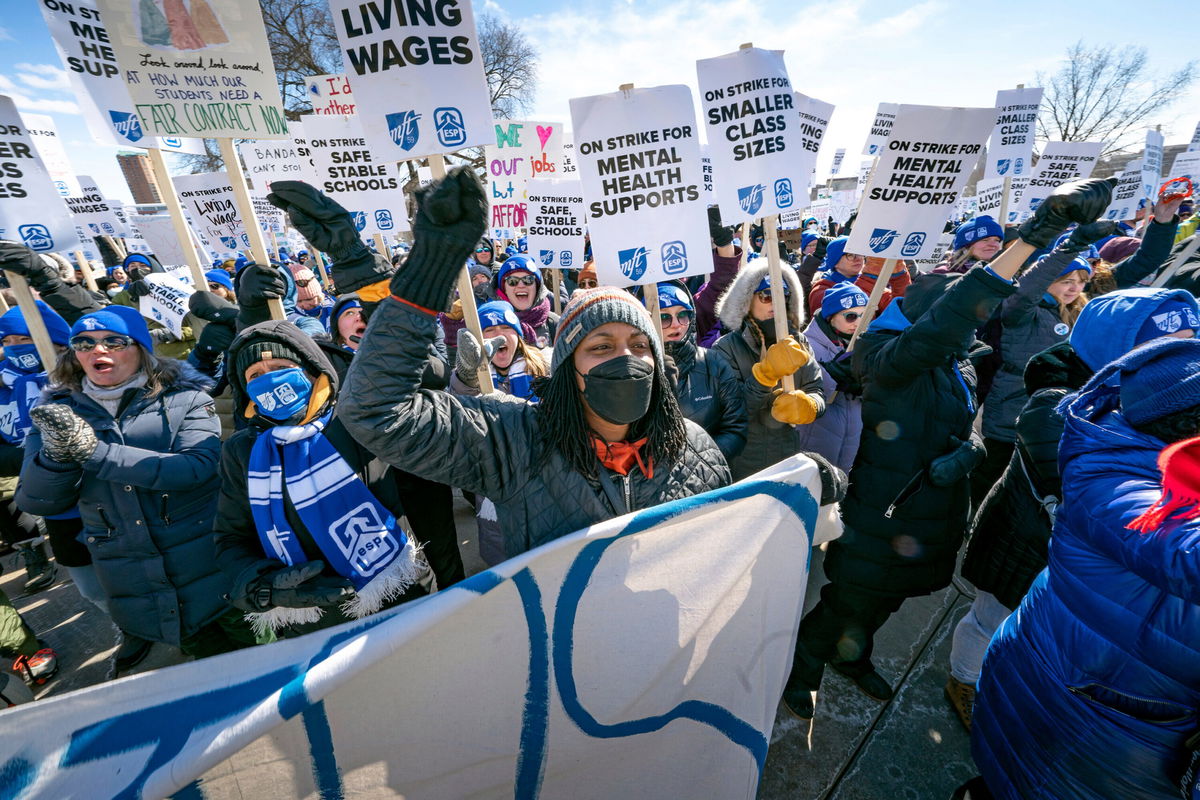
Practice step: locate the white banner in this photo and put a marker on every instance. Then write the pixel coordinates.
(520, 152)
(208, 197)
(630, 659)
(814, 120)
(274, 160)
(881, 128)
(1186, 164)
(639, 158)
(167, 303)
(32, 211)
(330, 94)
(944, 243)
(1010, 148)
(1127, 193)
(197, 72)
(44, 133)
(556, 223)
(989, 195)
(925, 164)
(349, 172)
(1152, 164)
(760, 166)
(417, 74)
(95, 214)
(839, 156)
(1059, 163)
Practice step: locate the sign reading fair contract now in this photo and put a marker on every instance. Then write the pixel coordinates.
(639, 159)
(925, 163)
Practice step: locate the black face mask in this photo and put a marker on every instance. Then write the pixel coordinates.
(618, 390)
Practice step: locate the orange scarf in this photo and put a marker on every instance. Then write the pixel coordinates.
(621, 456)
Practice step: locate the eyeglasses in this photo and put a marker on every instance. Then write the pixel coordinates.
(113, 344)
(684, 317)
(520, 280)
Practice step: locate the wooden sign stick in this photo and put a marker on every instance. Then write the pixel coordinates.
(241, 195)
(33, 319)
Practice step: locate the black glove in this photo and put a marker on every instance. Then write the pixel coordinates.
(302, 586)
(956, 465)
(720, 234)
(40, 271)
(214, 341)
(451, 216)
(256, 284)
(212, 308)
(671, 370)
(1078, 201)
(1084, 236)
(834, 482)
(139, 288)
(66, 436)
(841, 369)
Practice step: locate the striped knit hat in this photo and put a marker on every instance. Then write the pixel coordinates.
(591, 308)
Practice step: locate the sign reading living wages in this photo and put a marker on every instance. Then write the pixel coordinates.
(638, 156)
(927, 159)
(198, 71)
(416, 73)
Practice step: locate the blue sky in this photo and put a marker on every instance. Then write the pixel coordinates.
(853, 53)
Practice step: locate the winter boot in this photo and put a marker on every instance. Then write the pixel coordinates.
(962, 700)
(131, 652)
(13, 692)
(38, 668)
(39, 570)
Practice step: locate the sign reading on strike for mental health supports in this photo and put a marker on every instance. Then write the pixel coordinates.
(639, 158)
(925, 164)
(417, 75)
(814, 120)
(521, 152)
(329, 94)
(556, 223)
(1010, 148)
(209, 198)
(1126, 193)
(1060, 163)
(31, 210)
(881, 128)
(349, 172)
(196, 70)
(754, 137)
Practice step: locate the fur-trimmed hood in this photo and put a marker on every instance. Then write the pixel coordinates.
(734, 304)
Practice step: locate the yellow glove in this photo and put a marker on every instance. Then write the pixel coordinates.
(783, 358)
(794, 408)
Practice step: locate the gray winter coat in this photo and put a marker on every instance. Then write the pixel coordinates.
(768, 441)
(1029, 324)
(493, 445)
(835, 433)
(147, 497)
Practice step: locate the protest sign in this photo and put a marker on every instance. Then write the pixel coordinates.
(639, 157)
(158, 232)
(32, 211)
(276, 160)
(567, 168)
(269, 217)
(1152, 164)
(44, 133)
(330, 94)
(864, 174)
(93, 213)
(814, 120)
(842, 203)
(424, 176)
(520, 152)
(839, 156)
(203, 71)
(1126, 193)
(417, 75)
(556, 223)
(881, 128)
(167, 303)
(1010, 148)
(989, 195)
(1194, 145)
(944, 243)
(920, 176)
(349, 172)
(706, 165)
(1186, 164)
(1059, 163)
(790, 220)
(208, 199)
(760, 166)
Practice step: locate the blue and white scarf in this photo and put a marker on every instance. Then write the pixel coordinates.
(515, 381)
(358, 537)
(19, 392)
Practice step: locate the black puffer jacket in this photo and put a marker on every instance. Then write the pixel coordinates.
(902, 532)
(1012, 529)
(493, 445)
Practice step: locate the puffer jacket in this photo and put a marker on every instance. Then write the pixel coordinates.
(834, 434)
(897, 284)
(1029, 324)
(903, 533)
(147, 497)
(493, 445)
(1090, 690)
(768, 441)
(1150, 255)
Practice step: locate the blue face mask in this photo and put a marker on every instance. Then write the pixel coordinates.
(281, 394)
(23, 358)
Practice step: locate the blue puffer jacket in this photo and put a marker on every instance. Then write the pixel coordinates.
(147, 496)
(1091, 689)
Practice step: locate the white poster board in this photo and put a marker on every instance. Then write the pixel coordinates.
(1010, 148)
(1186, 164)
(639, 158)
(167, 303)
(208, 198)
(275, 160)
(710, 195)
(94, 213)
(1152, 164)
(1126, 194)
(32, 211)
(814, 121)
(44, 133)
(925, 165)
(556, 223)
(881, 128)
(989, 196)
(330, 94)
(521, 151)
(350, 172)
(567, 169)
(839, 156)
(1060, 163)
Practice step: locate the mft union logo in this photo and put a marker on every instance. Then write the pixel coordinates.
(783, 193)
(126, 124)
(383, 219)
(674, 257)
(1003, 165)
(450, 127)
(633, 262)
(566, 258)
(360, 219)
(365, 540)
(881, 239)
(402, 126)
(546, 257)
(750, 198)
(36, 237)
(912, 245)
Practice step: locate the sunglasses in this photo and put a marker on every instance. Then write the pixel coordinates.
(482, 249)
(682, 318)
(851, 316)
(113, 344)
(520, 280)
(764, 295)
(588, 284)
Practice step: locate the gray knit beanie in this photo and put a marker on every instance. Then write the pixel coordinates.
(591, 308)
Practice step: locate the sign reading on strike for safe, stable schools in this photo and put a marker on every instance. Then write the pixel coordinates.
(753, 133)
(31, 210)
(638, 154)
(881, 128)
(199, 71)
(167, 302)
(329, 94)
(927, 159)
(555, 223)
(520, 152)
(417, 75)
(1010, 148)
(1059, 163)
(349, 172)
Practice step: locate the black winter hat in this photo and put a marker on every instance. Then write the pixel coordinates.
(253, 351)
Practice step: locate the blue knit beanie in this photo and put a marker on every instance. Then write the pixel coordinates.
(1159, 379)
(1090, 252)
(219, 276)
(499, 312)
(670, 295)
(518, 263)
(12, 323)
(840, 297)
(834, 251)
(973, 230)
(1115, 323)
(1078, 262)
(1172, 316)
(118, 319)
(806, 239)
